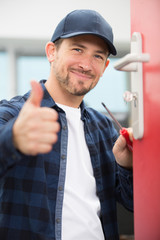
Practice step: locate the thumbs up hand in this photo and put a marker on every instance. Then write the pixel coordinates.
(36, 128)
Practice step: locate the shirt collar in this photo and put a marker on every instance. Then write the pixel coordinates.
(49, 102)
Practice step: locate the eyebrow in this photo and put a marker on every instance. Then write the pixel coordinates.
(104, 52)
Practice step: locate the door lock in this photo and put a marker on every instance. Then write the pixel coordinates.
(129, 97)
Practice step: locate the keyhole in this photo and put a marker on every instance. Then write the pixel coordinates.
(129, 97)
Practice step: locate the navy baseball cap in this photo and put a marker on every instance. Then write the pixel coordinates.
(80, 22)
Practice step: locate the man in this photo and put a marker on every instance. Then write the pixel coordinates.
(59, 177)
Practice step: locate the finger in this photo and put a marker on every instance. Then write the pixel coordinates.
(49, 139)
(48, 127)
(43, 132)
(41, 145)
(124, 132)
(120, 144)
(36, 94)
(47, 114)
(45, 148)
(130, 131)
(41, 149)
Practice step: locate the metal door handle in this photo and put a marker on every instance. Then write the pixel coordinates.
(133, 63)
(122, 63)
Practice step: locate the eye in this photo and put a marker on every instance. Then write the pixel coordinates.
(99, 57)
(77, 50)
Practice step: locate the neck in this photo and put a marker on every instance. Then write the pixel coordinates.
(61, 96)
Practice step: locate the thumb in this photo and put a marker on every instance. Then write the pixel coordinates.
(36, 94)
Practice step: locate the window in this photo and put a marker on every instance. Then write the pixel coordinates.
(30, 68)
(109, 90)
(4, 86)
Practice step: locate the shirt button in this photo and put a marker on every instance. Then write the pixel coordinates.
(58, 220)
(64, 127)
(63, 157)
(60, 188)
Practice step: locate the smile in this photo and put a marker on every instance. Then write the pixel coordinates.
(82, 74)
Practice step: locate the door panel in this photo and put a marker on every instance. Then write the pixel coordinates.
(145, 18)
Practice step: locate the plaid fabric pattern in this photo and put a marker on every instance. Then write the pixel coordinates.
(30, 197)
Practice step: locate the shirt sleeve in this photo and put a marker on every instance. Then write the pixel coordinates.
(8, 153)
(124, 180)
(124, 187)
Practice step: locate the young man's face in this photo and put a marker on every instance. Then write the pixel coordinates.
(79, 63)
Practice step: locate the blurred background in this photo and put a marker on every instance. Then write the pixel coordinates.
(26, 27)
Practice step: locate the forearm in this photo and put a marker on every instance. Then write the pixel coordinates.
(8, 154)
(124, 187)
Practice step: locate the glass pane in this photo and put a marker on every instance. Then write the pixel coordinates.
(30, 68)
(4, 86)
(109, 90)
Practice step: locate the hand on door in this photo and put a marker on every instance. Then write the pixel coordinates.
(121, 152)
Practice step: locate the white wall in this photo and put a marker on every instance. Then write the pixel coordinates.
(26, 26)
(36, 19)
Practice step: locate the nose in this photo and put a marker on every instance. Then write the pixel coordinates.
(86, 63)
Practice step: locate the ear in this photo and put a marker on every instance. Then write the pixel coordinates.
(50, 51)
(106, 65)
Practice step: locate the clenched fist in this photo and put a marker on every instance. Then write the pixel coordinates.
(36, 128)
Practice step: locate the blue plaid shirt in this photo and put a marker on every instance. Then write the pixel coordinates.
(31, 187)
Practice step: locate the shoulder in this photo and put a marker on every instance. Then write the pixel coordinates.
(17, 102)
(11, 108)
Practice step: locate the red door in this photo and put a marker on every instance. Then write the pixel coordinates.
(145, 18)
